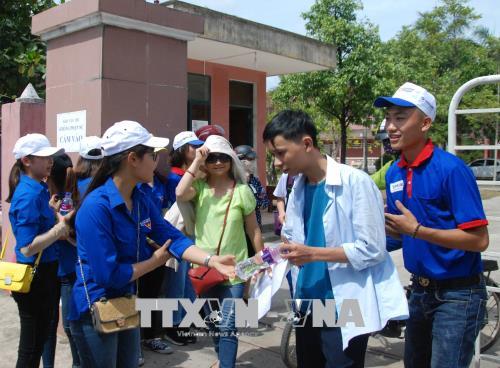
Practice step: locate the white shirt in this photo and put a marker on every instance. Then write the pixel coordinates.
(353, 220)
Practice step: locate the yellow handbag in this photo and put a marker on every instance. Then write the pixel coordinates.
(16, 276)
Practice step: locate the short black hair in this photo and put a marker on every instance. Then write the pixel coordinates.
(291, 125)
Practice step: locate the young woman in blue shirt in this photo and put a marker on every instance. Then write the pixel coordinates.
(35, 229)
(112, 224)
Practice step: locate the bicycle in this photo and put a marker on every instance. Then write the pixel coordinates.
(489, 334)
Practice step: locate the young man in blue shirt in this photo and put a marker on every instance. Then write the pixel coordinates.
(435, 214)
(334, 231)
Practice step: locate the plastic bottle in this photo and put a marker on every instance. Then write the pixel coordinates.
(66, 204)
(265, 258)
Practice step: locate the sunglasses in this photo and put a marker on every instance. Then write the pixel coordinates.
(212, 158)
(249, 156)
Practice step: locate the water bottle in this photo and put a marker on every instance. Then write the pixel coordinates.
(265, 258)
(66, 204)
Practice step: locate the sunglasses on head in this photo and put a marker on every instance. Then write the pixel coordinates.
(212, 158)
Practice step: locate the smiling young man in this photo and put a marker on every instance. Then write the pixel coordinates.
(334, 231)
(435, 214)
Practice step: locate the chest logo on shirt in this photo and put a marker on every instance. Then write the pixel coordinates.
(397, 186)
(146, 223)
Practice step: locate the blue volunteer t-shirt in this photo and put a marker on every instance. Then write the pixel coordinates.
(441, 192)
(313, 281)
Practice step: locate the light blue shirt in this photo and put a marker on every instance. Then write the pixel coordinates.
(354, 220)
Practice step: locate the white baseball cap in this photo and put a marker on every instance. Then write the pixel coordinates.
(410, 95)
(184, 138)
(34, 144)
(88, 144)
(126, 134)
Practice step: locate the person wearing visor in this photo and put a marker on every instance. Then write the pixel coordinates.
(183, 153)
(112, 224)
(36, 231)
(434, 212)
(223, 191)
(176, 283)
(88, 162)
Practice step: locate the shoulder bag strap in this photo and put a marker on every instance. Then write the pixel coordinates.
(225, 218)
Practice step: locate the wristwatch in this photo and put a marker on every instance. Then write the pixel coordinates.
(207, 259)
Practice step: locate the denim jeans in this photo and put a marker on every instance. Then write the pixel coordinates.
(36, 311)
(178, 285)
(66, 295)
(322, 347)
(120, 349)
(443, 326)
(225, 339)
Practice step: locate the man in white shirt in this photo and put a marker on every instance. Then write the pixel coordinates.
(334, 231)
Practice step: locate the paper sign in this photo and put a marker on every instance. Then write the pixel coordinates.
(71, 129)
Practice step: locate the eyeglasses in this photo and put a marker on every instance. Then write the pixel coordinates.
(154, 155)
(212, 158)
(249, 156)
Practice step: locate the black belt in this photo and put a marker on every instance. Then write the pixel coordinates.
(454, 283)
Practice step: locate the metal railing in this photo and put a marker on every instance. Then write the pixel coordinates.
(477, 348)
(452, 123)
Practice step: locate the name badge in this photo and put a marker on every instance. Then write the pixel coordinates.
(397, 186)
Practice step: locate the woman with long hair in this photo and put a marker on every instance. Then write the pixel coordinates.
(224, 190)
(35, 229)
(112, 224)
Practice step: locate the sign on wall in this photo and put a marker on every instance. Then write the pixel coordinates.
(71, 129)
(197, 124)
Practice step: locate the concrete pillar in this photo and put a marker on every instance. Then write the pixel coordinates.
(117, 59)
(25, 115)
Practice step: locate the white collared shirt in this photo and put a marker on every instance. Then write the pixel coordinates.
(354, 220)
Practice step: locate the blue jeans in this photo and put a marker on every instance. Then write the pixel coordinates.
(120, 349)
(443, 326)
(178, 285)
(225, 339)
(66, 291)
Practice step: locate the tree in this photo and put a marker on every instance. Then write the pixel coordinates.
(345, 94)
(441, 51)
(22, 55)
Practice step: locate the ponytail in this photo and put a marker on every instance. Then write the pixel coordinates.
(14, 178)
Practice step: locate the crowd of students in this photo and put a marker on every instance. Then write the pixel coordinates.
(336, 235)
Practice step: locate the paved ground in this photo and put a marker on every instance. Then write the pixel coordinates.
(259, 350)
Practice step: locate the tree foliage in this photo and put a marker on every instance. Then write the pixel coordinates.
(22, 55)
(442, 50)
(342, 95)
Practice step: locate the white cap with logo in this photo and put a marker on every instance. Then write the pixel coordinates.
(126, 134)
(88, 144)
(184, 138)
(410, 95)
(34, 144)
